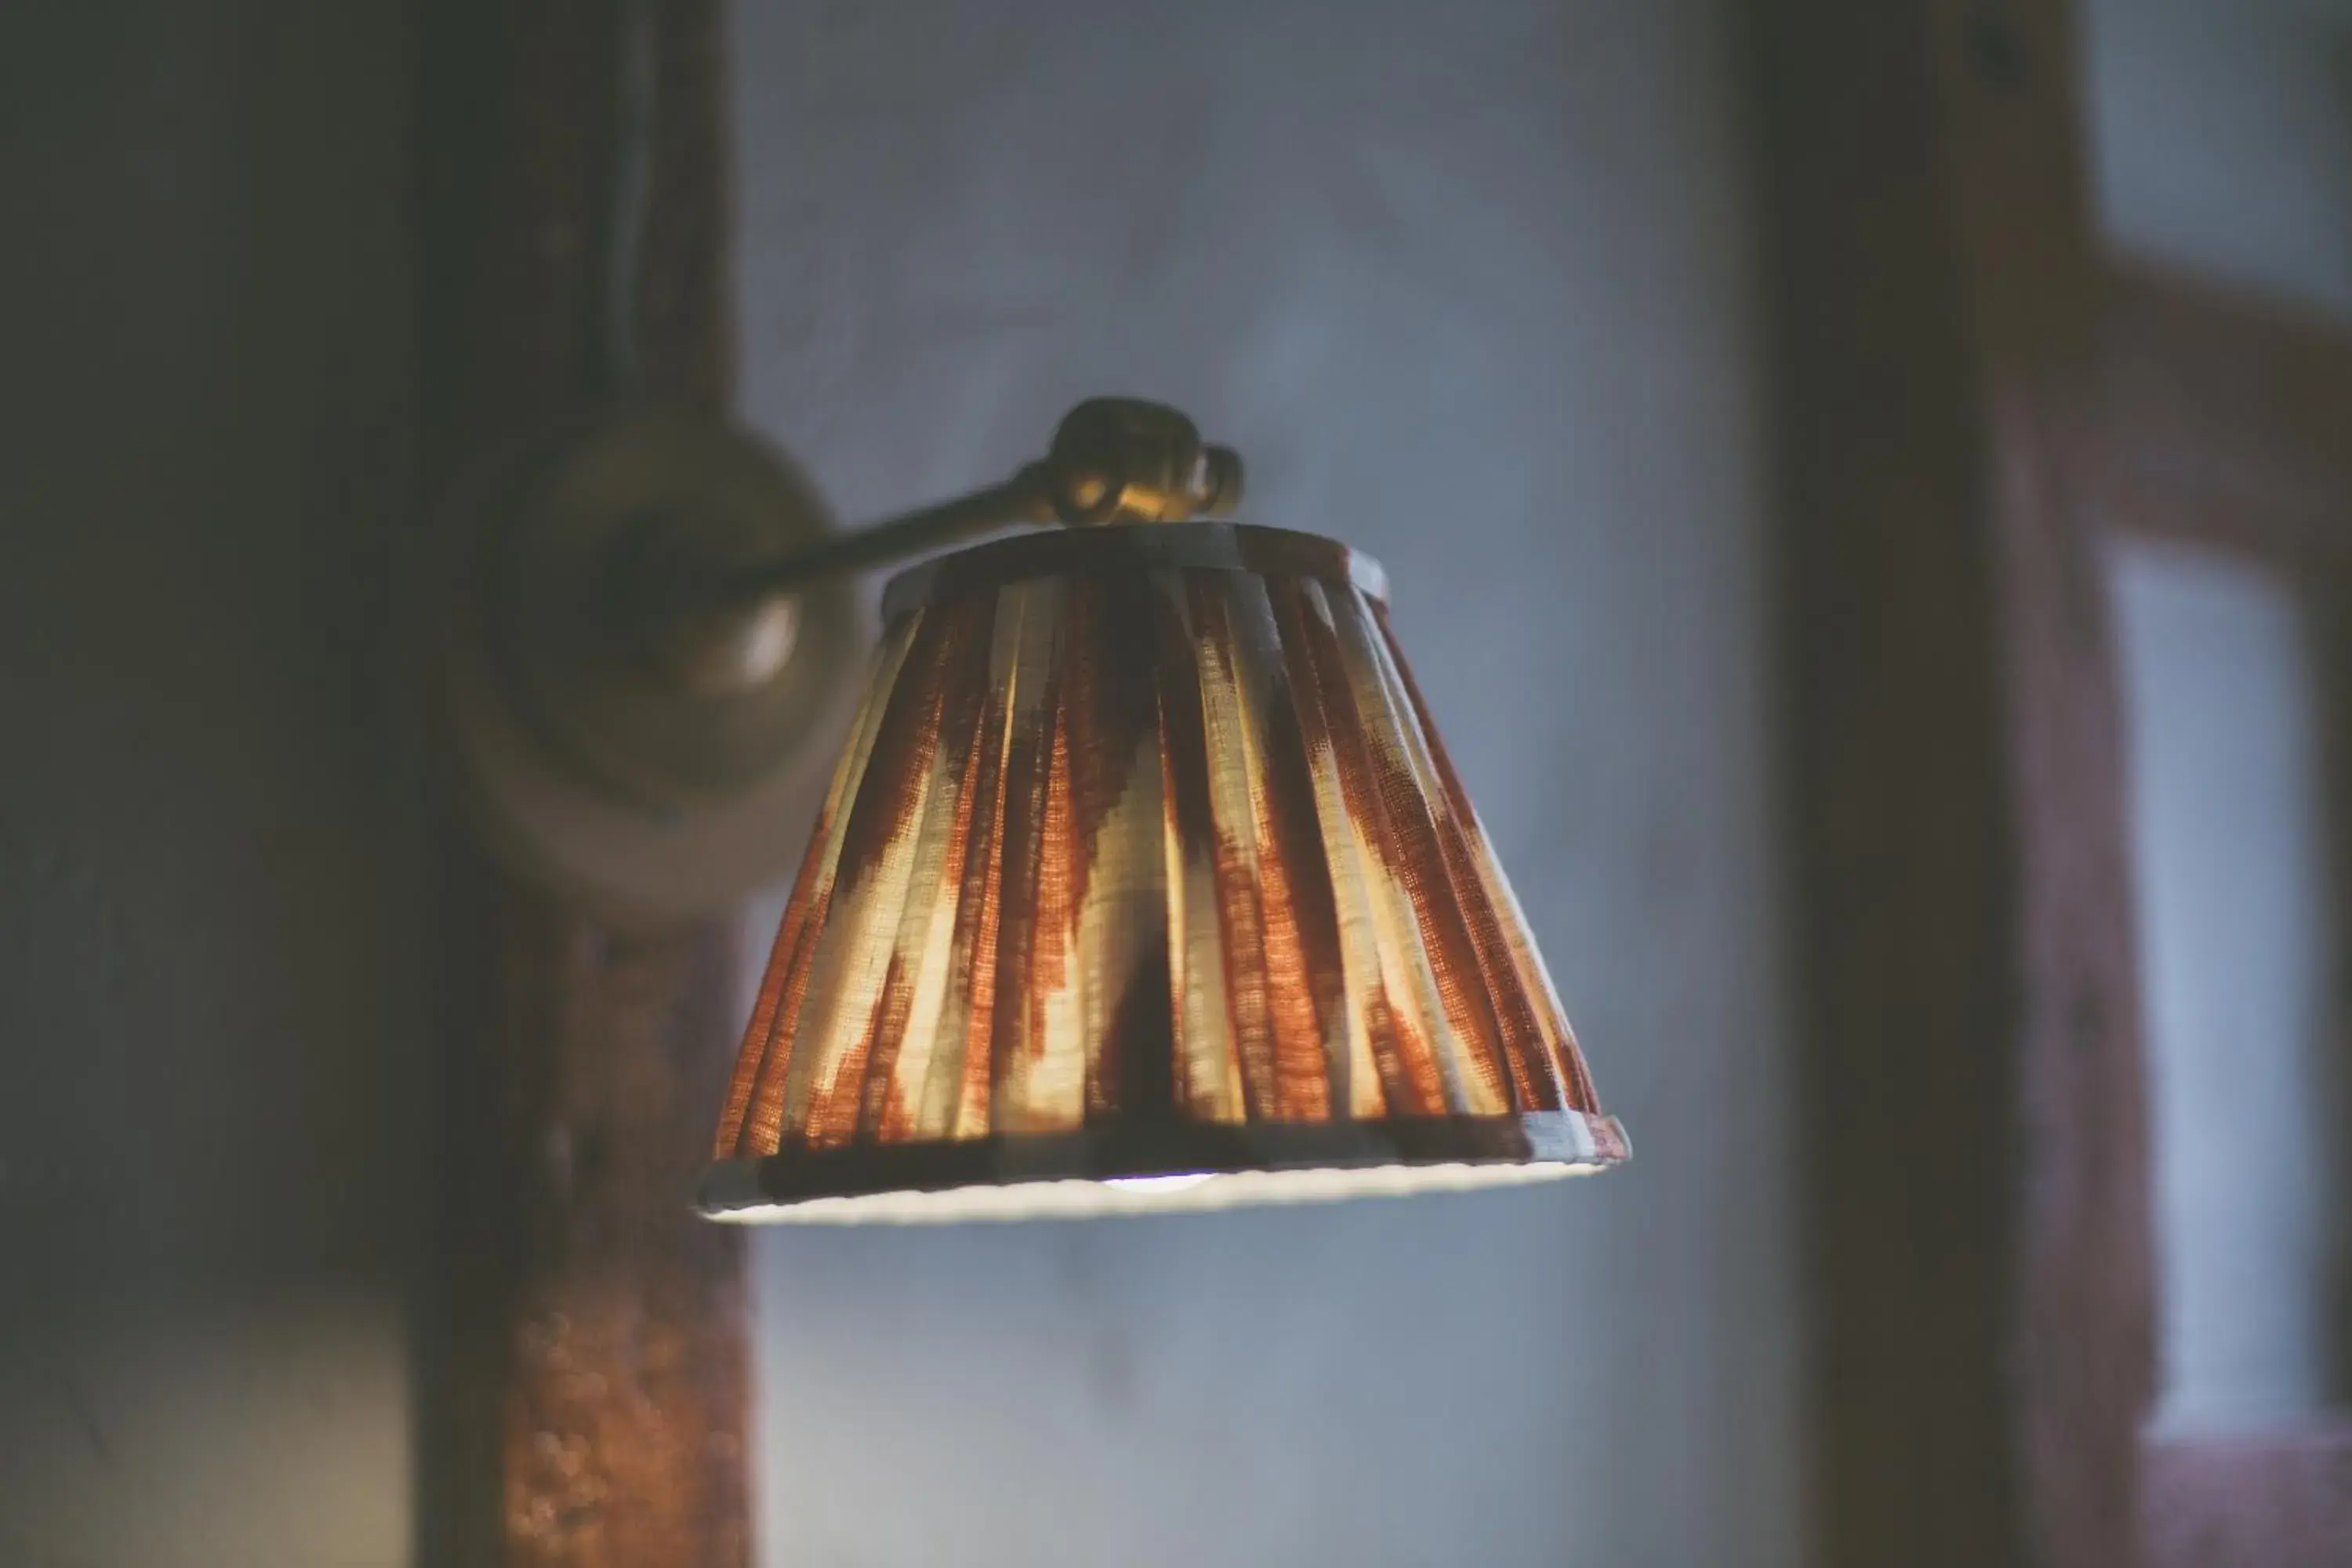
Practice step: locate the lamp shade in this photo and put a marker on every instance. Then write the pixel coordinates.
(1144, 881)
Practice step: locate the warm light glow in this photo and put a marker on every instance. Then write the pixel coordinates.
(1145, 884)
(1149, 1195)
(1161, 1183)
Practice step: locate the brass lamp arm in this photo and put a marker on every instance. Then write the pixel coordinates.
(718, 627)
(1020, 500)
(1113, 460)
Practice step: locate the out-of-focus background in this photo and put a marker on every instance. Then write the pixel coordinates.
(1486, 289)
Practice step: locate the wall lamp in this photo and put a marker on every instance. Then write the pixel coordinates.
(1142, 881)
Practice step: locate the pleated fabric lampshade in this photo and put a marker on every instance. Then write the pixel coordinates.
(1144, 881)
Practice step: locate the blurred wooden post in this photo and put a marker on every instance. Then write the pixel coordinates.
(1981, 1192)
(588, 1405)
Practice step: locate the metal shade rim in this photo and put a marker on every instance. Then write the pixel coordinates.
(1211, 546)
(1113, 1153)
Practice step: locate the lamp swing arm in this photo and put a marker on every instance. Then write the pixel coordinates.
(1020, 500)
(1113, 460)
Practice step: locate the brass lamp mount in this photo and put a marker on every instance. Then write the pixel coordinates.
(1113, 460)
(648, 641)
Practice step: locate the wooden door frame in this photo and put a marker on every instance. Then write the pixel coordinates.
(589, 1400)
(1979, 1179)
(1967, 391)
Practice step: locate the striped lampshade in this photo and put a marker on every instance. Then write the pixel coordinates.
(1144, 881)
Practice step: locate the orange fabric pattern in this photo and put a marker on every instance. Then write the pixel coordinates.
(1138, 830)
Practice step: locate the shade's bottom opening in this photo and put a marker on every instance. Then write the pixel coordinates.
(1081, 1198)
(1157, 1167)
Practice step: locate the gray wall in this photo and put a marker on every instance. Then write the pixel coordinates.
(1474, 287)
(215, 1152)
